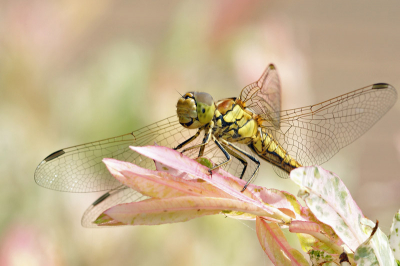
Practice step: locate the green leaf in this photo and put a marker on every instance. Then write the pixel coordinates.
(331, 203)
(376, 249)
(394, 236)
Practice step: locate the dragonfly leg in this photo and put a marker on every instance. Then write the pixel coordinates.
(206, 138)
(188, 140)
(230, 145)
(239, 158)
(202, 148)
(228, 157)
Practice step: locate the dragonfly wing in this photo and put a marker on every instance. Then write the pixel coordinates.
(313, 134)
(281, 173)
(80, 168)
(263, 97)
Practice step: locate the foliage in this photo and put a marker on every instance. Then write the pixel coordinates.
(331, 227)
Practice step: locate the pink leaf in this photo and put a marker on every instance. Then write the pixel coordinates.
(174, 159)
(163, 168)
(229, 185)
(173, 210)
(309, 216)
(285, 201)
(159, 184)
(322, 240)
(276, 246)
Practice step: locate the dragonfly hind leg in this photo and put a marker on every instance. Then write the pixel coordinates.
(239, 158)
(257, 162)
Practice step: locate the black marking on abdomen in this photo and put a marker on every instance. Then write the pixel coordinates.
(279, 162)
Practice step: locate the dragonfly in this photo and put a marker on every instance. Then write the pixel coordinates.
(233, 133)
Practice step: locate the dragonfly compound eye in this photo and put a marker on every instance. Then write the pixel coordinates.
(205, 107)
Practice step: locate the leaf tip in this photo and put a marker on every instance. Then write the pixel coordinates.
(103, 219)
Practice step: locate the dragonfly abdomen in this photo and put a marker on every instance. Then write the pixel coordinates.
(270, 150)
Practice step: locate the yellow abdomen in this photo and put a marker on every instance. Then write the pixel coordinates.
(270, 150)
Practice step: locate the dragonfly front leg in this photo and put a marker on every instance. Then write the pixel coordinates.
(206, 138)
(188, 140)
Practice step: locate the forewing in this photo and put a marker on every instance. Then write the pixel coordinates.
(80, 168)
(263, 97)
(313, 134)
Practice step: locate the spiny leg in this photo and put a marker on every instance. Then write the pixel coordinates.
(206, 138)
(201, 152)
(239, 158)
(228, 157)
(202, 148)
(188, 140)
(248, 156)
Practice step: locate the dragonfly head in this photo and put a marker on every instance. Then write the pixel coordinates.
(195, 109)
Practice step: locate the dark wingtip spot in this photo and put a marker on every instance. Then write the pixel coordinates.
(378, 86)
(54, 155)
(102, 198)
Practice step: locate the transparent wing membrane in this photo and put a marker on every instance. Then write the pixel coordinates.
(80, 168)
(313, 134)
(264, 96)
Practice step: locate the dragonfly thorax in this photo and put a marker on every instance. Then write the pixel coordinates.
(195, 109)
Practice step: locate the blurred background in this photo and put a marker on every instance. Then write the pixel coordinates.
(73, 72)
